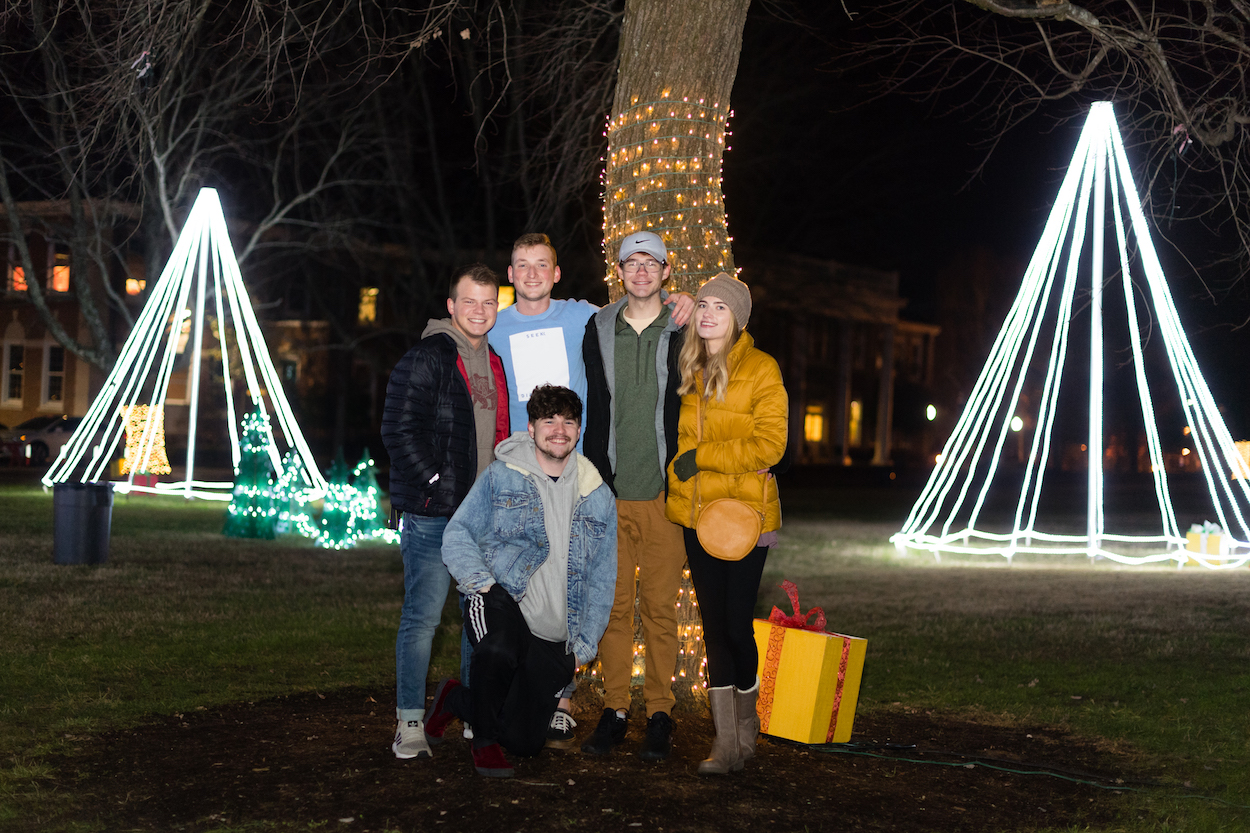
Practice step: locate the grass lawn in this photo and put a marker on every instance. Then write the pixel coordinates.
(1154, 663)
(179, 618)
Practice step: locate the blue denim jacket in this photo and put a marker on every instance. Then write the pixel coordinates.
(498, 535)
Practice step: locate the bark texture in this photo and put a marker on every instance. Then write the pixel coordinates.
(666, 137)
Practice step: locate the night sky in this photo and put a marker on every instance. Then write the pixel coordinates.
(892, 184)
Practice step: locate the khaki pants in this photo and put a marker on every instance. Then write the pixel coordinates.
(649, 547)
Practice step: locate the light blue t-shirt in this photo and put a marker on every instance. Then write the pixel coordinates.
(535, 342)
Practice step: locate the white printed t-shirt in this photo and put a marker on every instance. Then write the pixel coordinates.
(542, 349)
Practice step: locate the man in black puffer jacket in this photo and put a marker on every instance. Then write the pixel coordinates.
(446, 409)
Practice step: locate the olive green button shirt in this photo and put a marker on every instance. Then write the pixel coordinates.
(638, 473)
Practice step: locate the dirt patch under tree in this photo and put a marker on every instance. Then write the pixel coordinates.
(326, 758)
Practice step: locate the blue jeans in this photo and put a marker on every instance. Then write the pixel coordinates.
(425, 592)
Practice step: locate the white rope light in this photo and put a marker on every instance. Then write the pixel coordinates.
(946, 516)
(203, 260)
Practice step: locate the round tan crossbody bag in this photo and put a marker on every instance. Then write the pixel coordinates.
(728, 528)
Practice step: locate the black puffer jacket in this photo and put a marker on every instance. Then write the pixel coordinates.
(428, 429)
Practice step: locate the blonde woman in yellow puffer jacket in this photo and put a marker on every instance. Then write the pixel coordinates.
(738, 392)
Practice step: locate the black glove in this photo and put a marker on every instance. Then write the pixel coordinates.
(685, 467)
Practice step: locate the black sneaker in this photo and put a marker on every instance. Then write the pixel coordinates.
(609, 732)
(560, 730)
(659, 740)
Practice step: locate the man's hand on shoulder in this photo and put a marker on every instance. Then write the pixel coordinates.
(683, 307)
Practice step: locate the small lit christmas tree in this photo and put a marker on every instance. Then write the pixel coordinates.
(367, 508)
(290, 496)
(251, 513)
(338, 524)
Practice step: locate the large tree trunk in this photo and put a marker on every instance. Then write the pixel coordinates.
(666, 141)
(666, 138)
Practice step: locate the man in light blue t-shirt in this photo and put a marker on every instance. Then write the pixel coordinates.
(540, 342)
(540, 339)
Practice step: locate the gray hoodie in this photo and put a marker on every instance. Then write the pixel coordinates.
(481, 387)
(545, 603)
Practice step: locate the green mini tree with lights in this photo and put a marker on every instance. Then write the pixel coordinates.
(367, 506)
(252, 513)
(338, 523)
(290, 495)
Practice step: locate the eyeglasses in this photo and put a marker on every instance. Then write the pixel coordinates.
(632, 266)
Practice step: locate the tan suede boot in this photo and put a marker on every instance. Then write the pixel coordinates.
(725, 756)
(748, 720)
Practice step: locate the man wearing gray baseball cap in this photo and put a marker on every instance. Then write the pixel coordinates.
(630, 351)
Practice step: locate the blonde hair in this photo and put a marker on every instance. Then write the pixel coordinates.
(694, 360)
(529, 241)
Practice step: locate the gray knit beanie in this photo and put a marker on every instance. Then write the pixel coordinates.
(735, 294)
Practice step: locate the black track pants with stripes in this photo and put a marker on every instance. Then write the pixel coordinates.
(517, 677)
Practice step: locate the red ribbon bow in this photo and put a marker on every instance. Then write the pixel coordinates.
(799, 619)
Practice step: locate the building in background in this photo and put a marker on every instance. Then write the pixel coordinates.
(859, 377)
(41, 377)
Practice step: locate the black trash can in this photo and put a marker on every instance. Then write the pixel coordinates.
(82, 515)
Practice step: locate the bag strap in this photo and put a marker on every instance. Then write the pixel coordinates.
(697, 503)
(763, 510)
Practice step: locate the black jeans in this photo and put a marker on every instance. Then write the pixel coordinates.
(517, 677)
(726, 592)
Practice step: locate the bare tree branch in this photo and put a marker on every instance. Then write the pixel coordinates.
(1039, 9)
(1176, 71)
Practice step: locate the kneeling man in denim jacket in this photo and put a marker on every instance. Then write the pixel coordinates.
(533, 548)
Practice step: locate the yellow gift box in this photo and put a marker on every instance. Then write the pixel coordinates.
(1208, 543)
(809, 682)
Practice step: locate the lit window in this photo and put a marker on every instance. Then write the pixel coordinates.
(54, 373)
(856, 427)
(14, 366)
(507, 297)
(814, 423)
(368, 310)
(15, 276)
(58, 272)
(135, 285)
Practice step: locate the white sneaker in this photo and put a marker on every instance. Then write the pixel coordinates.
(410, 740)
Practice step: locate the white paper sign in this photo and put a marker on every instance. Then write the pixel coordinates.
(538, 358)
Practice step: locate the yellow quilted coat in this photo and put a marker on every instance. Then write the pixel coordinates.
(743, 433)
